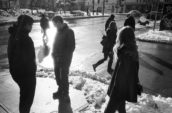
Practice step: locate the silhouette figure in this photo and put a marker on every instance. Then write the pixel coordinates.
(44, 26)
(108, 43)
(63, 48)
(22, 65)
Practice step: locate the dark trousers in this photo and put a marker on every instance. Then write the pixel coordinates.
(115, 105)
(27, 91)
(61, 69)
(106, 55)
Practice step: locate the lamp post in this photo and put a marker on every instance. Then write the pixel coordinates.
(156, 13)
(103, 8)
(64, 6)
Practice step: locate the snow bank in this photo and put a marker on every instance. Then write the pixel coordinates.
(156, 36)
(95, 93)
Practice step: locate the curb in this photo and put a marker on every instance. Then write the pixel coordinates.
(65, 18)
(154, 41)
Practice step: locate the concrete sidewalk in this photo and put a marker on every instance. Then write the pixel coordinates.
(43, 101)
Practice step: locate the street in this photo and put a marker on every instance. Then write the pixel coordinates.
(155, 59)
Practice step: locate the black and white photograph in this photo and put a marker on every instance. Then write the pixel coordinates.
(85, 56)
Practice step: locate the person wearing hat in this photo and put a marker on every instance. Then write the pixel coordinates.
(22, 64)
(62, 53)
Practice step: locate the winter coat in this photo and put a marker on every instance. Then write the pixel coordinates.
(108, 22)
(111, 37)
(64, 44)
(21, 54)
(124, 82)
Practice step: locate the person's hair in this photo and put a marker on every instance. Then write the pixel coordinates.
(130, 22)
(126, 37)
(57, 19)
(23, 20)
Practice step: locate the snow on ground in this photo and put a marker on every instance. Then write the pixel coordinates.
(156, 36)
(94, 90)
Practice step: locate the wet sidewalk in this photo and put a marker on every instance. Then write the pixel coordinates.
(43, 101)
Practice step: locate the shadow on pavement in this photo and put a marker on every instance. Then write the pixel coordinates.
(149, 66)
(158, 60)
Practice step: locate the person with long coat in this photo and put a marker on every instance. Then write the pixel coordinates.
(124, 85)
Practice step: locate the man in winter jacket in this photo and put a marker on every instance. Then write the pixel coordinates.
(22, 65)
(63, 48)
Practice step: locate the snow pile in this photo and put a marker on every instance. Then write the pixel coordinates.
(156, 36)
(95, 94)
(4, 13)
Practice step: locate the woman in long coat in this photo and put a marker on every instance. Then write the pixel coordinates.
(124, 83)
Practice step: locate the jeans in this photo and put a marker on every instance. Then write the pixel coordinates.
(61, 69)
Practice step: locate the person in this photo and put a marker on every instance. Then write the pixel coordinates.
(124, 85)
(108, 43)
(62, 53)
(130, 21)
(22, 64)
(111, 18)
(44, 26)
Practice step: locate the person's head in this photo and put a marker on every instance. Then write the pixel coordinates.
(126, 36)
(130, 22)
(43, 15)
(112, 17)
(25, 22)
(58, 21)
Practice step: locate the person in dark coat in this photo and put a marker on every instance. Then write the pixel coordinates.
(44, 23)
(111, 18)
(108, 43)
(130, 21)
(124, 83)
(22, 64)
(62, 53)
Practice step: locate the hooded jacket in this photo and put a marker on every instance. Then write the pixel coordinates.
(64, 43)
(21, 53)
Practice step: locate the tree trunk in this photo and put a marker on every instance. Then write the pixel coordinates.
(16, 5)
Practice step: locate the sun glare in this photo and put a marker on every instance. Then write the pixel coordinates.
(51, 32)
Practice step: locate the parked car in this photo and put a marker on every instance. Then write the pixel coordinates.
(152, 15)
